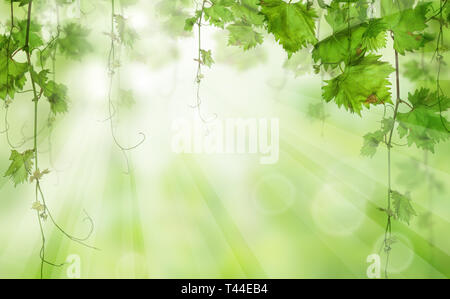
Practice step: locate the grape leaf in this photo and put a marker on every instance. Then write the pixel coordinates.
(373, 140)
(12, 75)
(415, 71)
(335, 49)
(343, 47)
(56, 95)
(219, 13)
(292, 24)
(402, 207)
(408, 26)
(206, 58)
(374, 38)
(173, 14)
(371, 143)
(242, 17)
(361, 84)
(34, 40)
(248, 12)
(190, 22)
(423, 125)
(40, 78)
(127, 34)
(74, 43)
(233, 56)
(341, 14)
(389, 7)
(20, 168)
(317, 111)
(243, 35)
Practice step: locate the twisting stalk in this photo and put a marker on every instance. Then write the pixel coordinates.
(8, 45)
(199, 75)
(35, 147)
(38, 190)
(439, 57)
(388, 231)
(111, 108)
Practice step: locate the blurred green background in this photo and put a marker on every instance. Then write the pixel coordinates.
(166, 215)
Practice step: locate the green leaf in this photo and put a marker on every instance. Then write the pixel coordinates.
(390, 7)
(416, 71)
(424, 125)
(12, 75)
(248, 12)
(74, 43)
(219, 13)
(190, 22)
(317, 111)
(173, 16)
(20, 168)
(127, 34)
(374, 38)
(361, 84)
(35, 39)
(206, 58)
(408, 25)
(371, 143)
(425, 98)
(402, 207)
(339, 47)
(292, 24)
(56, 95)
(41, 77)
(341, 14)
(344, 47)
(243, 35)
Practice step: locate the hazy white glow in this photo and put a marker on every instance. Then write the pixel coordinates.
(139, 77)
(95, 80)
(137, 19)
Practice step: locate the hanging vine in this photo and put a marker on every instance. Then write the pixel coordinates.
(122, 35)
(204, 57)
(25, 36)
(358, 78)
(355, 74)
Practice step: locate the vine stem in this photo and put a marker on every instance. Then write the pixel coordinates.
(198, 77)
(6, 131)
(38, 191)
(388, 231)
(111, 108)
(440, 43)
(35, 146)
(321, 77)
